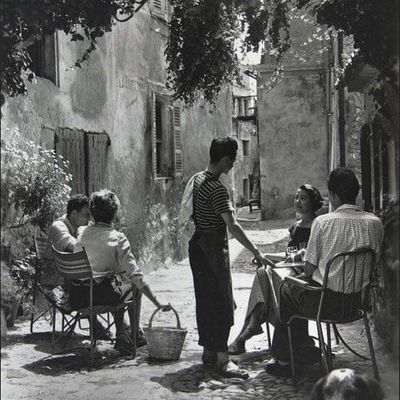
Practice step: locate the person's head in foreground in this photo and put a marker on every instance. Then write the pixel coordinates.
(223, 153)
(78, 210)
(308, 200)
(346, 384)
(104, 206)
(343, 187)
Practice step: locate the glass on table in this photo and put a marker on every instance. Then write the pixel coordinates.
(291, 252)
(303, 247)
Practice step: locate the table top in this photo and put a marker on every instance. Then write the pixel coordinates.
(283, 264)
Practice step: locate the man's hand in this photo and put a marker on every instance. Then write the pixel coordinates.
(259, 260)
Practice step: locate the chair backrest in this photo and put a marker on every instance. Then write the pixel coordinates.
(41, 246)
(72, 265)
(352, 273)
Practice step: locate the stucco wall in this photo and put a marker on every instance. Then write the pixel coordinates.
(293, 140)
(292, 123)
(111, 93)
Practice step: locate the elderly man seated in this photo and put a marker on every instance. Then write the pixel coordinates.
(344, 229)
(109, 251)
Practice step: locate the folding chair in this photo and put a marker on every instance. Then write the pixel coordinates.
(41, 245)
(352, 266)
(76, 266)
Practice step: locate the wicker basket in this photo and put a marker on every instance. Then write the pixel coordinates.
(165, 343)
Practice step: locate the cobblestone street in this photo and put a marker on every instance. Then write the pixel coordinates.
(29, 373)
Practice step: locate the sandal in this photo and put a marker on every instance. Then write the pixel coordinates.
(237, 347)
(231, 370)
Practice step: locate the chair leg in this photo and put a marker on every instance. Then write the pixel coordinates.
(268, 335)
(53, 331)
(371, 348)
(328, 340)
(322, 344)
(291, 355)
(335, 332)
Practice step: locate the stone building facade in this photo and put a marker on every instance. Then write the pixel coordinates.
(116, 123)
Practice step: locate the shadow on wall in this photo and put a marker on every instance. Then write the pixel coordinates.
(88, 91)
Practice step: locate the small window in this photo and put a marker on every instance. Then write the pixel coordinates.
(246, 147)
(43, 54)
(166, 137)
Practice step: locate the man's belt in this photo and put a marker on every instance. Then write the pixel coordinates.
(85, 283)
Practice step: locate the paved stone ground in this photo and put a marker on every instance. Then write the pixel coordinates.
(28, 371)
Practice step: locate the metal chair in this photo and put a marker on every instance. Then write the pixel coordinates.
(352, 267)
(76, 266)
(41, 246)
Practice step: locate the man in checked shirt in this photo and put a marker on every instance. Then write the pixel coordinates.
(344, 229)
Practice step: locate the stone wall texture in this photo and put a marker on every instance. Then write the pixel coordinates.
(112, 93)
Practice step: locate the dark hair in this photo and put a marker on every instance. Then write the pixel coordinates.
(104, 205)
(316, 199)
(344, 183)
(222, 147)
(76, 202)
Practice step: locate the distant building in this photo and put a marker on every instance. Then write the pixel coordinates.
(244, 129)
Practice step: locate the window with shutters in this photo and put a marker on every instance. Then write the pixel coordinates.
(161, 9)
(87, 156)
(44, 55)
(166, 137)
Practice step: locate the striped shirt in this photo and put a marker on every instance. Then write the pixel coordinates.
(345, 229)
(210, 200)
(109, 251)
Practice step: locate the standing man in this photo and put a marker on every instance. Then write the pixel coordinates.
(209, 257)
(345, 229)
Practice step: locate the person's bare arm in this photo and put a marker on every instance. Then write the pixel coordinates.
(239, 234)
(308, 271)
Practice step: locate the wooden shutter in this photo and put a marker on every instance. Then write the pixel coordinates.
(153, 134)
(70, 144)
(178, 161)
(97, 144)
(157, 5)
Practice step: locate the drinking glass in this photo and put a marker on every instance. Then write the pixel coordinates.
(291, 251)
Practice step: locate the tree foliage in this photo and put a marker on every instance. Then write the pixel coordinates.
(201, 48)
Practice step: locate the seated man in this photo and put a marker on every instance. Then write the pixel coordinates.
(344, 229)
(109, 251)
(63, 232)
(62, 235)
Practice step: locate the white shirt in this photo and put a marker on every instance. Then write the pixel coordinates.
(345, 229)
(109, 251)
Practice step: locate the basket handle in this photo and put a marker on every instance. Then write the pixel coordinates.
(160, 308)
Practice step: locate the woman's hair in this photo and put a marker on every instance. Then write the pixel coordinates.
(222, 147)
(315, 196)
(104, 205)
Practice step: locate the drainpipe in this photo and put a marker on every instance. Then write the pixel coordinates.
(341, 122)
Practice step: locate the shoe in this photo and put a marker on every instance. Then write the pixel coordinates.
(273, 367)
(209, 358)
(140, 341)
(100, 332)
(237, 347)
(231, 370)
(140, 338)
(124, 346)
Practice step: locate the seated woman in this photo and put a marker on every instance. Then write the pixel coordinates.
(109, 251)
(261, 307)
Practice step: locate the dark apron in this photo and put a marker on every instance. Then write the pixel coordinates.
(209, 261)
